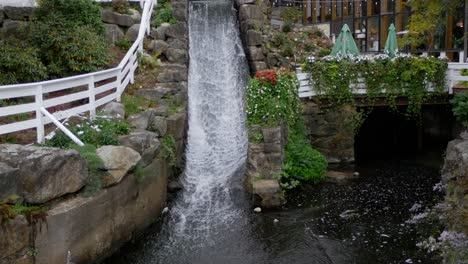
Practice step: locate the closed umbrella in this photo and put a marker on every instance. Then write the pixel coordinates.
(391, 45)
(345, 45)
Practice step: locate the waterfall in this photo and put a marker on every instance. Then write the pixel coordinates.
(217, 139)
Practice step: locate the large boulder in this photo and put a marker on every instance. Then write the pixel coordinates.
(9, 181)
(113, 33)
(111, 17)
(141, 120)
(159, 33)
(45, 173)
(258, 66)
(132, 32)
(117, 161)
(157, 46)
(136, 16)
(19, 13)
(144, 142)
(159, 125)
(155, 93)
(114, 110)
(456, 160)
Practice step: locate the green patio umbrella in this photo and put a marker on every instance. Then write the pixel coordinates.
(391, 46)
(345, 45)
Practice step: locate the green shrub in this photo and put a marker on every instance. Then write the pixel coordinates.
(19, 64)
(460, 107)
(272, 97)
(123, 44)
(279, 39)
(309, 47)
(290, 14)
(287, 27)
(168, 149)
(163, 14)
(69, 36)
(70, 51)
(98, 132)
(302, 162)
(135, 104)
(287, 49)
(324, 52)
(70, 14)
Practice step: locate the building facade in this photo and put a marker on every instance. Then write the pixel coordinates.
(369, 21)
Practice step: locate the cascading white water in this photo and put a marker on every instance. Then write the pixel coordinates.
(217, 139)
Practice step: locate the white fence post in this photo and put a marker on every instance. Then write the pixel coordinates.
(461, 56)
(92, 97)
(39, 118)
(119, 84)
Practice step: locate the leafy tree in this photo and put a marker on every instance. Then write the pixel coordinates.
(427, 16)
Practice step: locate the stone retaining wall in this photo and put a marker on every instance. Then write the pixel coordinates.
(265, 158)
(328, 131)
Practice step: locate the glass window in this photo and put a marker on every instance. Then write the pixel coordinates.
(387, 6)
(385, 22)
(373, 7)
(337, 9)
(401, 22)
(347, 8)
(372, 34)
(360, 9)
(360, 34)
(328, 10)
(318, 11)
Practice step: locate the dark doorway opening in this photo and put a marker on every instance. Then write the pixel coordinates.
(389, 135)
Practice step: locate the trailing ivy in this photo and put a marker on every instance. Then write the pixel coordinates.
(384, 78)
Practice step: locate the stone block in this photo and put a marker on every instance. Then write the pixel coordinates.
(9, 181)
(113, 33)
(45, 173)
(176, 125)
(245, 2)
(248, 11)
(254, 53)
(179, 56)
(253, 38)
(117, 161)
(132, 32)
(271, 134)
(178, 44)
(144, 142)
(257, 66)
(111, 17)
(160, 32)
(154, 94)
(177, 30)
(250, 24)
(179, 10)
(2, 16)
(269, 192)
(172, 73)
(11, 28)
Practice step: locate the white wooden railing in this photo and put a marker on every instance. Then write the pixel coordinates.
(96, 89)
(453, 77)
